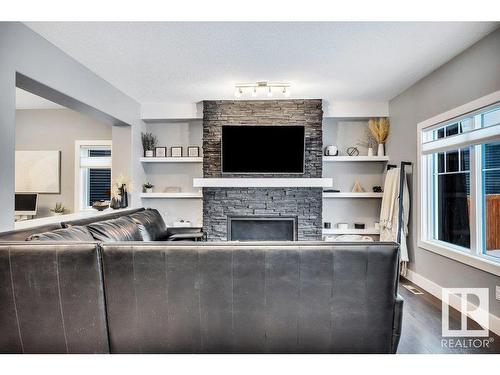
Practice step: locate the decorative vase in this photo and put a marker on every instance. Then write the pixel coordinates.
(370, 151)
(149, 153)
(123, 196)
(115, 203)
(380, 149)
(149, 190)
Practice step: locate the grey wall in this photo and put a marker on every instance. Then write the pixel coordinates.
(25, 52)
(470, 75)
(57, 129)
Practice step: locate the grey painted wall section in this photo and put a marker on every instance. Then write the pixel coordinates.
(470, 75)
(29, 54)
(57, 129)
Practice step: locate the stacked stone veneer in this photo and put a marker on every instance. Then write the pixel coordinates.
(304, 203)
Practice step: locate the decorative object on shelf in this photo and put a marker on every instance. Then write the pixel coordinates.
(58, 210)
(148, 187)
(119, 191)
(193, 151)
(379, 129)
(161, 152)
(182, 223)
(115, 203)
(342, 225)
(331, 191)
(376, 225)
(149, 142)
(352, 151)
(327, 225)
(331, 151)
(353, 238)
(176, 151)
(124, 195)
(357, 188)
(359, 226)
(100, 205)
(377, 189)
(368, 142)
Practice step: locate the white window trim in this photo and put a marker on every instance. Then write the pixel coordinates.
(424, 240)
(98, 163)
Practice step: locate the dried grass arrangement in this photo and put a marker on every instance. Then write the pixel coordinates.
(379, 128)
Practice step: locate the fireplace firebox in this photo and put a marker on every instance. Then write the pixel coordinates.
(262, 228)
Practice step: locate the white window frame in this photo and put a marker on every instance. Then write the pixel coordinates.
(95, 162)
(473, 257)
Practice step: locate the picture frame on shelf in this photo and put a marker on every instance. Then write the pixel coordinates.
(193, 151)
(160, 152)
(176, 151)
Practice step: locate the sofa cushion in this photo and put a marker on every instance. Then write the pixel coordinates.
(22, 234)
(121, 229)
(150, 224)
(66, 234)
(95, 219)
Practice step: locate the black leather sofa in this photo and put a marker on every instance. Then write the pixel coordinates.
(176, 297)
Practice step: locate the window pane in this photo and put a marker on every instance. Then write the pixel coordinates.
(99, 185)
(452, 193)
(451, 130)
(99, 152)
(464, 159)
(440, 162)
(491, 118)
(452, 161)
(491, 199)
(466, 125)
(440, 133)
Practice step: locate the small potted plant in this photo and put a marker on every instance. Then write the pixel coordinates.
(149, 142)
(148, 187)
(58, 210)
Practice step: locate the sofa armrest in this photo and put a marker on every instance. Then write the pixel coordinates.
(397, 323)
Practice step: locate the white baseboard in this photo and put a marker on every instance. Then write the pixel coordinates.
(436, 290)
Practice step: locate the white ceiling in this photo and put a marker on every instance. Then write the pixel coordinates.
(348, 61)
(27, 100)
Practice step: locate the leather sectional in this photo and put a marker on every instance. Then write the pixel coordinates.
(95, 294)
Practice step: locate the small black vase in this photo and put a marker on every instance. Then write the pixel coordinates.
(124, 197)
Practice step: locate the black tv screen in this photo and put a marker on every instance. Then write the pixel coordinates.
(262, 149)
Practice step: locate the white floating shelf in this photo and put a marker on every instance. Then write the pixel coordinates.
(190, 195)
(351, 231)
(354, 158)
(353, 195)
(185, 159)
(263, 182)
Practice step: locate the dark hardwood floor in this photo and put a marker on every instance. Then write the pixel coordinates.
(421, 332)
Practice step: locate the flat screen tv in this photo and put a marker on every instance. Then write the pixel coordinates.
(260, 149)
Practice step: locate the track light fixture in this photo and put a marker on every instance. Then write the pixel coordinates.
(263, 87)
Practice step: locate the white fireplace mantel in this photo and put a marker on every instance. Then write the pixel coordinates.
(263, 182)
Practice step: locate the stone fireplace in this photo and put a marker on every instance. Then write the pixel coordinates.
(256, 207)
